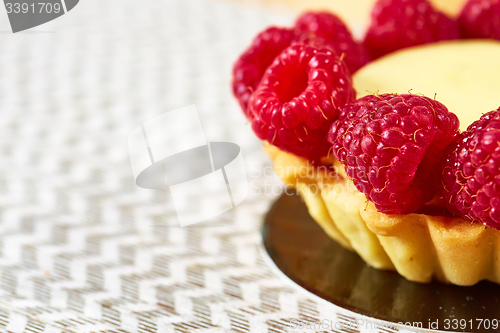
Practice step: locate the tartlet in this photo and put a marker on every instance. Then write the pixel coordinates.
(429, 244)
(393, 126)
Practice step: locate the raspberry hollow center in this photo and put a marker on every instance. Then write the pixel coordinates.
(292, 83)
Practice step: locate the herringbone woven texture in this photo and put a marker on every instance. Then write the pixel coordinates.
(82, 249)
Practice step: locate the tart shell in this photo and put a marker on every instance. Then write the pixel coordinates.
(420, 247)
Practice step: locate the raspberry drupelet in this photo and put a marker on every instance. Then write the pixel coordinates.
(471, 171)
(298, 99)
(391, 146)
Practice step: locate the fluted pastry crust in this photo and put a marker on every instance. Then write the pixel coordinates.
(420, 247)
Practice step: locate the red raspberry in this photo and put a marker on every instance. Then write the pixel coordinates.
(250, 66)
(331, 28)
(396, 24)
(480, 19)
(391, 146)
(298, 99)
(471, 171)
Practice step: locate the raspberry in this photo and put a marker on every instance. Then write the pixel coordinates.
(331, 28)
(471, 171)
(391, 146)
(480, 19)
(250, 66)
(298, 99)
(396, 24)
